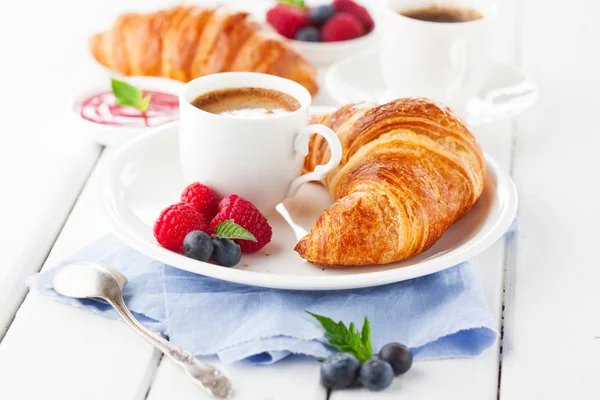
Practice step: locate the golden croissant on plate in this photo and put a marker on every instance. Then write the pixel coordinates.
(410, 169)
(185, 42)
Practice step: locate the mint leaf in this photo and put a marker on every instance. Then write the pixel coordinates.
(342, 331)
(348, 339)
(352, 330)
(332, 329)
(296, 3)
(328, 324)
(351, 350)
(230, 230)
(356, 343)
(366, 336)
(145, 102)
(126, 94)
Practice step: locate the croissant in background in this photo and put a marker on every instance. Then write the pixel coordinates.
(185, 42)
(410, 169)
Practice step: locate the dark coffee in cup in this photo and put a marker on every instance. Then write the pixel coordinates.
(247, 102)
(443, 13)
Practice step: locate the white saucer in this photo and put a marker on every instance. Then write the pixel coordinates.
(144, 177)
(507, 92)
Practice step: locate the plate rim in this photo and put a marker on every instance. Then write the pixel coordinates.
(295, 282)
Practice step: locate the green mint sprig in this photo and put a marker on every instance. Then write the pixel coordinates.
(295, 3)
(348, 339)
(230, 230)
(128, 95)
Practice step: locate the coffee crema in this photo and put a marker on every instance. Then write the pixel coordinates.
(444, 14)
(247, 102)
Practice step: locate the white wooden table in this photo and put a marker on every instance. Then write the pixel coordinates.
(543, 292)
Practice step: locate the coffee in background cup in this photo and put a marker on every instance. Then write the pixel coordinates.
(443, 13)
(435, 49)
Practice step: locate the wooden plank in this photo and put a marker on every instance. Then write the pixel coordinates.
(44, 159)
(36, 202)
(290, 379)
(69, 353)
(552, 328)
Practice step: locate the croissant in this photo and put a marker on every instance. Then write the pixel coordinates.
(410, 169)
(185, 42)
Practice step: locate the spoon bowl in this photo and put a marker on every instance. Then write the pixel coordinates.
(84, 280)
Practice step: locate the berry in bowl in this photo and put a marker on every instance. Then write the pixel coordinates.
(119, 110)
(327, 32)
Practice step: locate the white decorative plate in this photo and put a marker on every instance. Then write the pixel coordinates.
(144, 177)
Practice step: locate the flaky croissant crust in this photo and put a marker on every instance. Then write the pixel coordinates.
(186, 42)
(410, 169)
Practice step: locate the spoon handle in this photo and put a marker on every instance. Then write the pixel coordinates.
(205, 375)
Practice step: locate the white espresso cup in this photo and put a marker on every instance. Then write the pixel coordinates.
(257, 158)
(445, 61)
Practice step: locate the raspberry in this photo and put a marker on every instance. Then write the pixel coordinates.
(202, 198)
(357, 10)
(287, 20)
(245, 214)
(176, 221)
(342, 26)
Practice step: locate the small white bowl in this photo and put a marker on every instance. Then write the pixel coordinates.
(324, 54)
(110, 135)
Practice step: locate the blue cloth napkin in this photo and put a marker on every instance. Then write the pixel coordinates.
(441, 315)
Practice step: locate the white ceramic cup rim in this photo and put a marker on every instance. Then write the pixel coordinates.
(231, 80)
(488, 14)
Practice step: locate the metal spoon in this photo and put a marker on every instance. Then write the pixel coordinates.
(93, 280)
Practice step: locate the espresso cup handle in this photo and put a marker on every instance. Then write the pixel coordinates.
(459, 56)
(301, 146)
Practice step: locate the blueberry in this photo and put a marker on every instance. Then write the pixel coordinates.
(376, 375)
(308, 34)
(398, 355)
(198, 245)
(319, 15)
(226, 252)
(339, 370)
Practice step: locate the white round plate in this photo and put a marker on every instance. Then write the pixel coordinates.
(144, 177)
(506, 93)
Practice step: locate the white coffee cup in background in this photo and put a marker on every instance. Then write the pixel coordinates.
(259, 159)
(445, 61)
